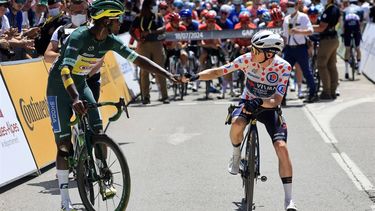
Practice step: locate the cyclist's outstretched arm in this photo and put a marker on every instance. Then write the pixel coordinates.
(139, 60)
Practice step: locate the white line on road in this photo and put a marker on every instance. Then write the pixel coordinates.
(224, 103)
(318, 128)
(187, 104)
(354, 173)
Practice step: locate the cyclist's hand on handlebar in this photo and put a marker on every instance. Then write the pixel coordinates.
(252, 105)
(79, 106)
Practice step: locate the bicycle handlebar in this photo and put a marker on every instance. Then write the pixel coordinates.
(231, 108)
(120, 105)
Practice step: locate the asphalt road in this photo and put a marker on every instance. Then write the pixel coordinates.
(178, 155)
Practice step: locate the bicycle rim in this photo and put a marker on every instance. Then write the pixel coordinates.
(250, 172)
(207, 89)
(105, 170)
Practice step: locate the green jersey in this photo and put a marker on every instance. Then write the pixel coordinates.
(82, 52)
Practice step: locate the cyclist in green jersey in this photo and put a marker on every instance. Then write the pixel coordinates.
(67, 87)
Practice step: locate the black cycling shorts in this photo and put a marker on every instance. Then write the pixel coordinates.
(357, 39)
(272, 120)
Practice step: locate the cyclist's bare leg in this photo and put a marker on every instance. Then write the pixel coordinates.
(64, 149)
(299, 78)
(236, 136)
(285, 168)
(202, 62)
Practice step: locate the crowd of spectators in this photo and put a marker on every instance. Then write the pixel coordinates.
(27, 27)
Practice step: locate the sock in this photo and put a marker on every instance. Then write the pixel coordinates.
(63, 178)
(299, 86)
(236, 149)
(287, 183)
(346, 67)
(359, 63)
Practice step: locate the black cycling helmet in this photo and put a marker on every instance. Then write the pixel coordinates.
(106, 8)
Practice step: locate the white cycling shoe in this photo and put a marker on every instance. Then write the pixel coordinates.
(67, 206)
(290, 206)
(234, 164)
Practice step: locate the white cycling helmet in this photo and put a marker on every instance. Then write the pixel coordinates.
(225, 8)
(268, 41)
(237, 2)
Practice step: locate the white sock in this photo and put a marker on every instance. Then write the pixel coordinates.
(359, 64)
(237, 150)
(287, 183)
(346, 67)
(299, 88)
(63, 178)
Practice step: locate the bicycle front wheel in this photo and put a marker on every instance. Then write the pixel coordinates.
(249, 178)
(103, 177)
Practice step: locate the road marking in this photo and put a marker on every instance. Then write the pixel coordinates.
(354, 173)
(187, 104)
(224, 103)
(180, 136)
(318, 128)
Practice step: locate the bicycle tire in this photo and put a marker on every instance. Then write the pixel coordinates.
(352, 63)
(82, 174)
(182, 91)
(251, 169)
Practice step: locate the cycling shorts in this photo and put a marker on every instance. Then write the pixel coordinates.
(272, 120)
(348, 37)
(60, 107)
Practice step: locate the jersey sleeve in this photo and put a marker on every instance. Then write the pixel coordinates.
(74, 43)
(240, 63)
(285, 74)
(120, 48)
(55, 35)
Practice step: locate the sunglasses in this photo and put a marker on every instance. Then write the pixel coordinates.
(254, 50)
(224, 13)
(118, 18)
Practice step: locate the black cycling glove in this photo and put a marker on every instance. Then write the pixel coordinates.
(253, 104)
(192, 77)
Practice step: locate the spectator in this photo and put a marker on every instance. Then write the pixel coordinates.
(296, 27)
(41, 12)
(146, 28)
(372, 14)
(27, 15)
(55, 19)
(236, 10)
(15, 14)
(223, 21)
(326, 59)
(4, 19)
(128, 17)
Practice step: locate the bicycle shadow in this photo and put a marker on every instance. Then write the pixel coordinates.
(52, 187)
(241, 206)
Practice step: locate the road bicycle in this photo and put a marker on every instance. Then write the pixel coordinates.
(250, 155)
(314, 67)
(352, 57)
(99, 165)
(175, 67)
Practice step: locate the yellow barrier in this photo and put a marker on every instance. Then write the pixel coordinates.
(27, 83)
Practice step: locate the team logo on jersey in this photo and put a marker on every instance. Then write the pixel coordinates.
(91, 48)
(272, 77)
(281, 89)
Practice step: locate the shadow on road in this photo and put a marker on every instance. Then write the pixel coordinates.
(241, 206)
(51, 186)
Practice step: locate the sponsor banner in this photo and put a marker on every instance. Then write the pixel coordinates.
(16, 159)
(108, 92)
(206, 35)
(117, 76)
(128, 70)
(368, 51)
(27, 83)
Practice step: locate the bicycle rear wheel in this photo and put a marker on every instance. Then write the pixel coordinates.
(103, 177)
(250, 172)
(353, 62)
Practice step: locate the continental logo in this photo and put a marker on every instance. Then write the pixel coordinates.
(33, 111)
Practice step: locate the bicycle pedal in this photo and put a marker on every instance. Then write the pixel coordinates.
(263, 178)
(109, 192)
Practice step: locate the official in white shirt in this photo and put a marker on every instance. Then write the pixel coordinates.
(296, 28)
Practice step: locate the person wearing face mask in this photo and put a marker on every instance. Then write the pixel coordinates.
(296, 27)
(55, 19)
(146, 28)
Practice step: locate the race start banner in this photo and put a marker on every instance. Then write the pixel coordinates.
(16, 159)
(27, 84)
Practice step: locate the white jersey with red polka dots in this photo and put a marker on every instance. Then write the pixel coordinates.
(261, 82)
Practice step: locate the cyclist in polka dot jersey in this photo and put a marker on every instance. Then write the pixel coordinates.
(267, 76)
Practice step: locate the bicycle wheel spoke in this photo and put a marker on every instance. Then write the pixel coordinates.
(118, 184)
(117, 172)
(112, 164)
